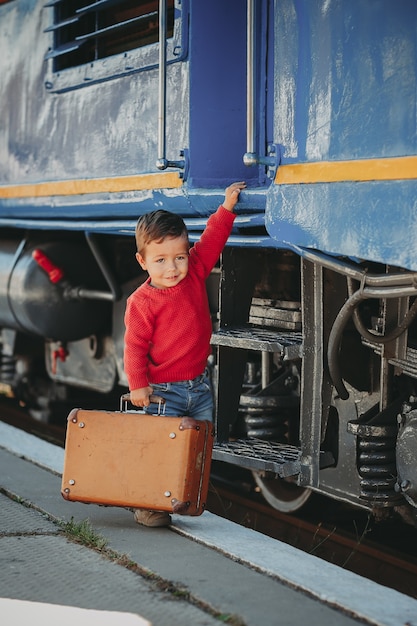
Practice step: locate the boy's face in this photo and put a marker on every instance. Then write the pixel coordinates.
(166, 262)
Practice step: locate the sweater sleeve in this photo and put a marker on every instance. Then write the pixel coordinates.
(139, 331)
(211, 243)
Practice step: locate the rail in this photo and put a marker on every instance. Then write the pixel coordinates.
(251, 158)
(162, 162)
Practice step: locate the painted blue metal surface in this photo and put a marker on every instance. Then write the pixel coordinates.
(346, 85)
(105, 130)
(345, 79)
(184, 201)
(336, 81)
(375, 221)
(109, 129)
(217, 94)
(127, 228)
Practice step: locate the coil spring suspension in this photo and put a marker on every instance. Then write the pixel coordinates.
(7, 368)
(269, 412)
(264, 417)
(376, 462)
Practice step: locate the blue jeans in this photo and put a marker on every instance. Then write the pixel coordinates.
(192, 398)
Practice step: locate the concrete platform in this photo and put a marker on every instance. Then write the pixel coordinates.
(212, 570)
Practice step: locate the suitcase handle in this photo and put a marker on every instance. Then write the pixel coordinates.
(125, 398)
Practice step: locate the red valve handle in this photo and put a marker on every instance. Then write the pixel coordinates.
(55, 273)
(60, 353)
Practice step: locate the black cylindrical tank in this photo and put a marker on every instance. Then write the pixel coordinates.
(31, 303)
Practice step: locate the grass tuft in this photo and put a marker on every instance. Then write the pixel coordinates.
(83, 533)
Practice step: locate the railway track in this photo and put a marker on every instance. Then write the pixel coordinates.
(328, 538)
(385, 552)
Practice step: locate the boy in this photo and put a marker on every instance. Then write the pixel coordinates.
(168, 323)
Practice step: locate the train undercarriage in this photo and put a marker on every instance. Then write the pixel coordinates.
(314, 359)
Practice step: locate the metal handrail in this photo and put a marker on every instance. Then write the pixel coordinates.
(250, 157)
(250, 80)
(162, 163)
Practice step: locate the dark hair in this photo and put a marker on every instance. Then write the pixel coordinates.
(158, 225)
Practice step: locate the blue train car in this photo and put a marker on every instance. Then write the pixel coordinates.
(112, 108)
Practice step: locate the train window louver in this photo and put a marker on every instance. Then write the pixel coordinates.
(85, 31)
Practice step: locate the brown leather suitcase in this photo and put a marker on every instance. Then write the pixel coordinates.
(131, 459)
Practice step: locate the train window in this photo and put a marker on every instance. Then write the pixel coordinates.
(94, 40)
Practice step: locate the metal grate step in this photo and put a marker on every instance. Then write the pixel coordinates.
(257, 454)
(249, 337)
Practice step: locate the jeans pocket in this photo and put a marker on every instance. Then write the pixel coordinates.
(204, 385)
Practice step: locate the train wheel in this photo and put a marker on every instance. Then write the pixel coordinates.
(282, 495)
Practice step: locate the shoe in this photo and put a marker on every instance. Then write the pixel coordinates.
(152, 518)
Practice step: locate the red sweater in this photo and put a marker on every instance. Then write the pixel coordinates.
(168, 331)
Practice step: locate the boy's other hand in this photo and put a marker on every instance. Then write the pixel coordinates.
(140, 397)
(232, 195)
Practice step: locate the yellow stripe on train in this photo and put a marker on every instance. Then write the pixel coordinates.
(142, 182)
(395, 168)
